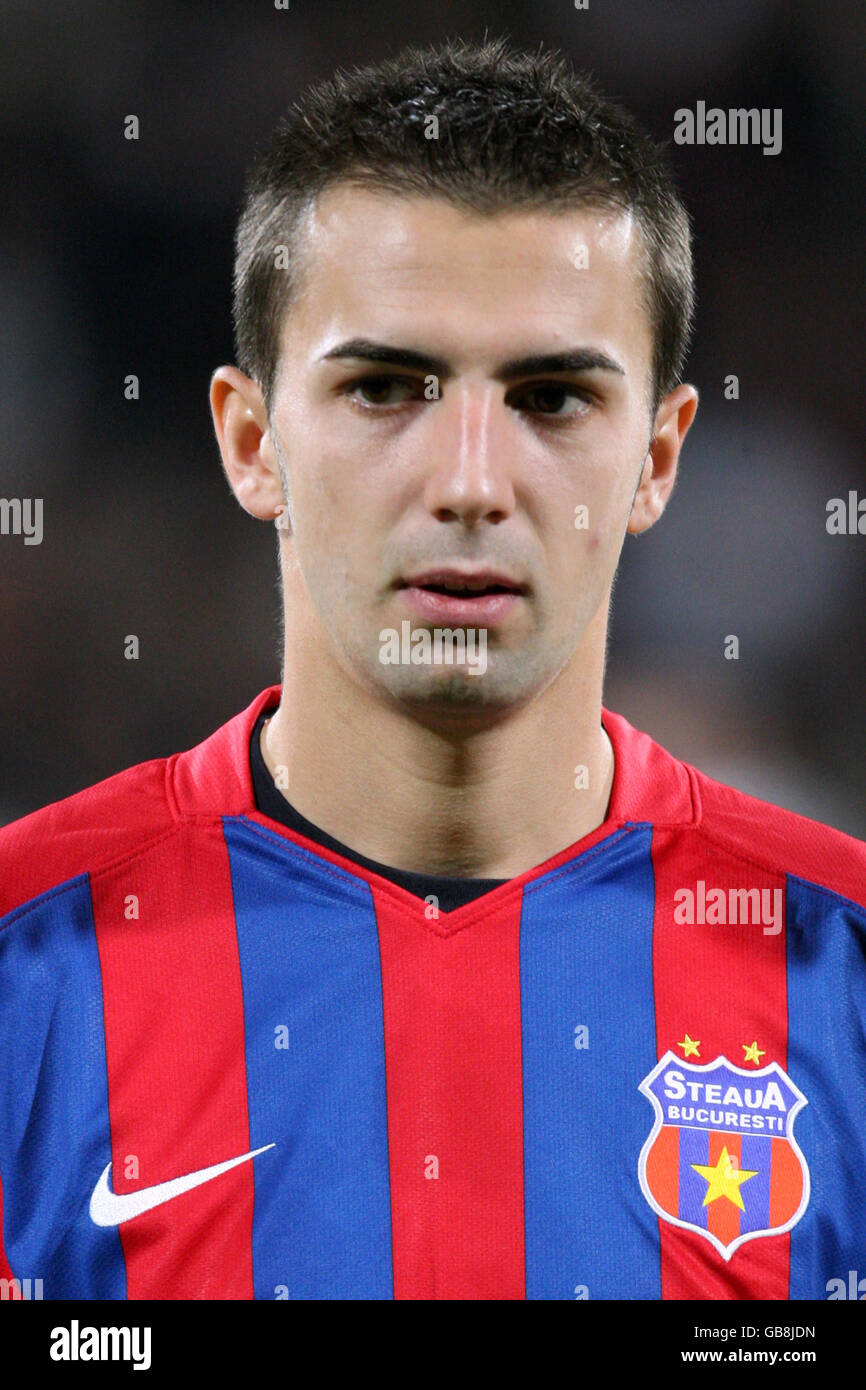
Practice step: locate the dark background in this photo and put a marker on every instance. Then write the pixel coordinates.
(116, 258)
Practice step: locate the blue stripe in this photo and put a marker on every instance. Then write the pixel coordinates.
(756, 1157)
(586, 958)
(826, 945)
(55, 1137)
(309, 955)
(694, 1148)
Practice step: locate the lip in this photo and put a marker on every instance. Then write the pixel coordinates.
(453, 578)
(469, 605)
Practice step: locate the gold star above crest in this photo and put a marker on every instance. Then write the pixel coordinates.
(724, 1179)
(689, 1046)
(753, 1052)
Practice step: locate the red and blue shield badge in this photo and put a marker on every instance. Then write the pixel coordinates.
(722, 1159)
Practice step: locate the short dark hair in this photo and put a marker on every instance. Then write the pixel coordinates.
(515, 129)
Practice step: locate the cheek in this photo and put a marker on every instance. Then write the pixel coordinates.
(337, 533)
(585, 539)
(594, 523)
(606, 534)
(330, 496)
(325, 507)
(609, 503)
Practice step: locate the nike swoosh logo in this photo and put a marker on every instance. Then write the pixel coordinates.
(109, 1208)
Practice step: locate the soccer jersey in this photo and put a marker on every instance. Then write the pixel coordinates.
(238, 1064)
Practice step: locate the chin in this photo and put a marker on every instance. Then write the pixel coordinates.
(448, 697)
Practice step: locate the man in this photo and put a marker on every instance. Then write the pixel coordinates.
(424, 977)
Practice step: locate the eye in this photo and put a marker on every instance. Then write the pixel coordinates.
(380, 390)
(552, 399)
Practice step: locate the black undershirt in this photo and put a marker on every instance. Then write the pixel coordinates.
(450, 893)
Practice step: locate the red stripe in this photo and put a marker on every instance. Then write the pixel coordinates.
(663, 1169)
(174, 1034)
(455, 1102)
(786, 1183)
(724, 986)
(5, 1267)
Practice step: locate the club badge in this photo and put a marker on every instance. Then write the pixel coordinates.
(722, 1159)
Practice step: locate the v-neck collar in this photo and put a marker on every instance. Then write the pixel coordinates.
(214, 780)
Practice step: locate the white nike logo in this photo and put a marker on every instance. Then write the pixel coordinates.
(109, 1208)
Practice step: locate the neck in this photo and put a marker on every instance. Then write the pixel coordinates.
(490, 804)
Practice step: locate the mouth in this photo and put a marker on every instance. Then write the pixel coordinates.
(464, 584)
(483, 598)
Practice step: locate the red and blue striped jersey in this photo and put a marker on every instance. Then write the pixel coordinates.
(237, 1065)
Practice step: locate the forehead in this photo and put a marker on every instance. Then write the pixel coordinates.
(379, 264)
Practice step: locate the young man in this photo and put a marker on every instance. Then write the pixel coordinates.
(424, 977)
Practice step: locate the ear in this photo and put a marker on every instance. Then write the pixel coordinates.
(241, 422)
(672, 421)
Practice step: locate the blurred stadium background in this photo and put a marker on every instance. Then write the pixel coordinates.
(116, 259)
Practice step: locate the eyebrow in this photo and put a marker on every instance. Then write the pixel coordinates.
(572, 360)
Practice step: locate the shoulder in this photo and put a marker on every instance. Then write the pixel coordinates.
(779, 840)
(84, 833)
(696, 816)
(110, 823)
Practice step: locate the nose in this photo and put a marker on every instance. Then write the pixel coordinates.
(471, 445)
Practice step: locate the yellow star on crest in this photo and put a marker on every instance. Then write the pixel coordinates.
(753, 1052)
(724, 1179)
(689, 1046)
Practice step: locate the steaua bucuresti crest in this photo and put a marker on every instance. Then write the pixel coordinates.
(722, 1159)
